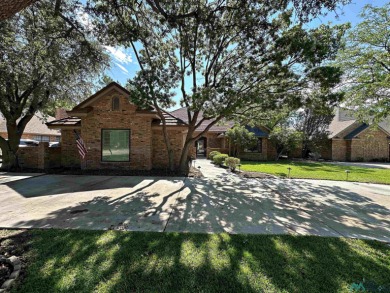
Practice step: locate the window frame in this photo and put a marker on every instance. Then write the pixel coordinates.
(259, 150)
(115, 98)
(101, 145)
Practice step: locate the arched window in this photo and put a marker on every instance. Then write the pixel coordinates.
(115, 104)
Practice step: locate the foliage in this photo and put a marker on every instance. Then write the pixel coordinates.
(223, 55)
(313, 123)
(366, 63)
(104, 80)
(219, 159)
(240, 138)
(47, 57)
(319, 170)
(284, 139)
(213, 153)
(232, 163)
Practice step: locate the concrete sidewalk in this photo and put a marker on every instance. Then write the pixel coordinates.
(221, 201)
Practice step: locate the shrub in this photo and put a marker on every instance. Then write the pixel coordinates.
(219, 159)
(232, 163)
(213, 153)
(359, 159)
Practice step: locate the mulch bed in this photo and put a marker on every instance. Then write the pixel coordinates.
(257, 175)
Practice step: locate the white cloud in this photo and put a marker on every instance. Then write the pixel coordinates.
(124, 70)
(119, 54)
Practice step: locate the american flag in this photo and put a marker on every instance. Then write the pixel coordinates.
(80, 145)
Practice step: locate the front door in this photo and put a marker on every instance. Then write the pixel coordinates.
(200, 145)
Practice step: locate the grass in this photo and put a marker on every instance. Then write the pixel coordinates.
(116, 261)
(311, 170)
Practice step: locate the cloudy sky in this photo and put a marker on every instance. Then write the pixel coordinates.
(124, 65)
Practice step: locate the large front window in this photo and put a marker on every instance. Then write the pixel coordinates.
(115, 145)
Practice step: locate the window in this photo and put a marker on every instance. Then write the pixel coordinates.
(258, 148)
(57, 138)
(115, 104)
(115, 145)
(44, 138)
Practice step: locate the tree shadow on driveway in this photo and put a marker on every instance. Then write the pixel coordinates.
(227, 203)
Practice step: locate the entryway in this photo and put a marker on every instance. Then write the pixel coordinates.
(201, 146)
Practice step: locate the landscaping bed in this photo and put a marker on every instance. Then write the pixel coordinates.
(116, 261)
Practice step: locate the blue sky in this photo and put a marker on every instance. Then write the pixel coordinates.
(124, 65)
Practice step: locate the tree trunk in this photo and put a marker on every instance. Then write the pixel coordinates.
(9, 150)
(183, 165)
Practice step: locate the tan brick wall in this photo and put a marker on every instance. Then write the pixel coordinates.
(160, 157)
(339, 150)
(371, 144)
(326, 150)
(102, 117)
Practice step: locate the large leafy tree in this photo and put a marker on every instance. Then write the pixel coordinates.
(240, 138)
(223, 55)
(366, 63)
(47, 57)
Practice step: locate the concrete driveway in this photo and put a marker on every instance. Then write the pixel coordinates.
(220, 202)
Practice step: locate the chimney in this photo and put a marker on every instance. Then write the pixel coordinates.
(61, 113)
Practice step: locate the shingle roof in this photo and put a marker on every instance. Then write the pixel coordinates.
(68, 121)
(35, 126)
(337, 126)
(257, 131)
(345, 122)
(219, 127)
(356, 131)
(170, 120)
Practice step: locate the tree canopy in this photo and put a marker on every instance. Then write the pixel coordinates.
(223, 55)
(366, 63)
(47, 56)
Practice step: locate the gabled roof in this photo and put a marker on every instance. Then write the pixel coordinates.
(218, 127)
(356, 131)
(345, 125)
(100, 93)
(35, 126)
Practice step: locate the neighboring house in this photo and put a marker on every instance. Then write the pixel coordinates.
(36, 129)
(351, 140)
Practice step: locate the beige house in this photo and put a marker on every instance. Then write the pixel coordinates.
(36, 129)
(351, 140)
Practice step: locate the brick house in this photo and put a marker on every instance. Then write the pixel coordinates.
(215, 140)
(351, 140)
(118, 134)
(36, 129)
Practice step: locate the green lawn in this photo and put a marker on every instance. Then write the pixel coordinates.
(115, 261)
(319, 171)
